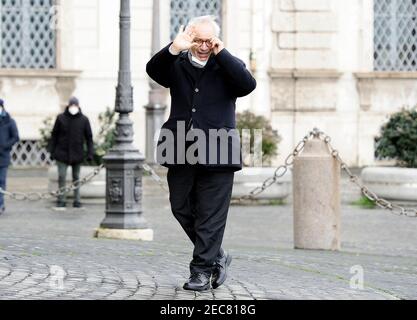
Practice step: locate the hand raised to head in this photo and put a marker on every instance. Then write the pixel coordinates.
(217, 45)
(184, 39)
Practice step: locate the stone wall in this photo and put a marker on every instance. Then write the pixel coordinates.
(322, 76)
(87, 61)
(313, 61)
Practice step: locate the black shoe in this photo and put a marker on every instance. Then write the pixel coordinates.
(60, 206)
(77, 205)
(198, 281)
(220, 271)
(2, 209)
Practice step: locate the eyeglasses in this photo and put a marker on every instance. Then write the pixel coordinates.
(201, 41)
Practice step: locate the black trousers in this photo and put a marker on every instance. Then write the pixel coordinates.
(200, 201)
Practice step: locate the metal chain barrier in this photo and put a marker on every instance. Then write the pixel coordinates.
(155, 176)
(36, 196)
(372, 196)
(279, 172)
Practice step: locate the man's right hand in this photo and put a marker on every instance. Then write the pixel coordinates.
(184, 40)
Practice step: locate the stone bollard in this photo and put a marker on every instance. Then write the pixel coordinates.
(316, 198)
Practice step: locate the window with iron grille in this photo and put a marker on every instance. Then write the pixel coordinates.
(395, 35)
(28, 38)
(184, 10)
(29, 153)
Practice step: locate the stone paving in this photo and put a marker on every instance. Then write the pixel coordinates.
(53, 255)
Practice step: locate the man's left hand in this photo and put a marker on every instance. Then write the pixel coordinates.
(217, 45)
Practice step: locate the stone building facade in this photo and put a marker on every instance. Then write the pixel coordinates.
(342, 66)
(339, 65)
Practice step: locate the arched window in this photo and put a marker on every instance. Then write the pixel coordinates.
(395, 35)
(183, 10)
(28, 37)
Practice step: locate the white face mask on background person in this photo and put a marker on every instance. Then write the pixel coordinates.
(73, 110)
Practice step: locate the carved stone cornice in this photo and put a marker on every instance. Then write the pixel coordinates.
(39, 73)
(386, 75)
(304, 73)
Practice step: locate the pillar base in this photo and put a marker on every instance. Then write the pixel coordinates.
(124, 234)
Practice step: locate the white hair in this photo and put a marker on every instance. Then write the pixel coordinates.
(206, 19)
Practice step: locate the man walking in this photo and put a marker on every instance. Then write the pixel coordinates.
(71, 131)
(205, 81)
(8, 137)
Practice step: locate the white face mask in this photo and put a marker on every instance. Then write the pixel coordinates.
(73, 110)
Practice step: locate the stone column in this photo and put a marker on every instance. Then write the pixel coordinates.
(124, 218)
(316, 193)
(155, 109)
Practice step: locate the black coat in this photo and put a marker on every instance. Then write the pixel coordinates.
(8, 137)
(68, 136)
(204, 97)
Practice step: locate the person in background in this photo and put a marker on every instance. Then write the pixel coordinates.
(71, 131)
(9, 136)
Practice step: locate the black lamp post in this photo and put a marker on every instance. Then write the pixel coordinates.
(123, 162)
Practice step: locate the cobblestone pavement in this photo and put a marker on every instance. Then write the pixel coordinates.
(38, 244)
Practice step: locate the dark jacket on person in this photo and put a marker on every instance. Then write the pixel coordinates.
(9, 136)
(205, 98)
(68, 137)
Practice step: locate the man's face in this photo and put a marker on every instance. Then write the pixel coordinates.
(204, 33)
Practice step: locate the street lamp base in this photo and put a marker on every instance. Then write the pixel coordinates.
(124, 234)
